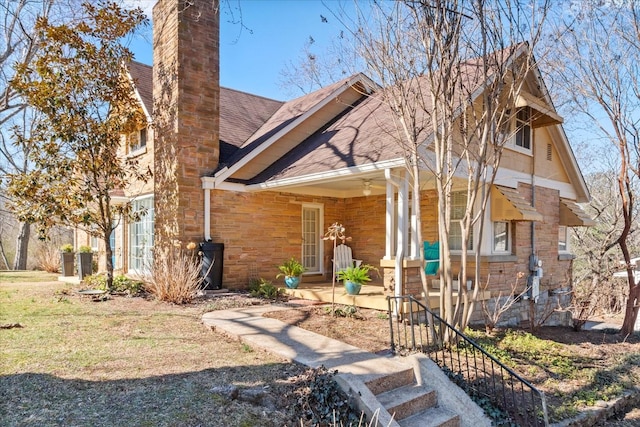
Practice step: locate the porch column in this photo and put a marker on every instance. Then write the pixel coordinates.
(415, 245)
(390, 217)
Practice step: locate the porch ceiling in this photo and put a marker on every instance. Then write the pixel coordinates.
(347, 186)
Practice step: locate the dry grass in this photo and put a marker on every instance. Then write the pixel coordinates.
(175, 275)
(125, 361)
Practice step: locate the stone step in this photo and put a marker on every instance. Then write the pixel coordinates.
(405, 401)
(390, 381)
(432, 417)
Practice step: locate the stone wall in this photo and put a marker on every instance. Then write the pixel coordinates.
(186, 114)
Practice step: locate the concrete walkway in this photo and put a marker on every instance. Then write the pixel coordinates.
(356, 367)
(297, 344)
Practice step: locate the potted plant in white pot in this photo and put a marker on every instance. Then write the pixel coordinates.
(85, 261)
(67, 258)
(355, 277)
(292, 271)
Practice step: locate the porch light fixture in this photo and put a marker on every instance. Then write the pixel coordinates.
(367, 188)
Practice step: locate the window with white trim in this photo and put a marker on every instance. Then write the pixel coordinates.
(501, 237)
(458, 208)
(137, 140)
(523, 128)
(563, 240)
(516, 132)
(141, 235)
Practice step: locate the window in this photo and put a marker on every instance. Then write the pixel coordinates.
(141, 235)
(521, 125)
(523, 128)
(458, 208)
(501, 237)
(562, 239)
(94, 243)
(138, 140)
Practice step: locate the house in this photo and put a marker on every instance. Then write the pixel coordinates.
(265, 178)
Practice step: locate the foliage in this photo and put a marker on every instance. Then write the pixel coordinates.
(494, 310)
(85, 249)
(175, 274)
(291, 267)
(548, 359)
(323, 402)
(359, 274)
(47, 258)
(67, 247)
(344, 311)
(76, 83)
(121, 284)
(606, 97)
(263, 288)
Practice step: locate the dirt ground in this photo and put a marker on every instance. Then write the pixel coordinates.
(369, 330)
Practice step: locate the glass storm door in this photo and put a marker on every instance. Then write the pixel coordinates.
(311, 242)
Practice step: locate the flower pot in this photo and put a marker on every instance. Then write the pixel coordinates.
(292, 282)
(85, 267)
(352, 288)
(67, 263)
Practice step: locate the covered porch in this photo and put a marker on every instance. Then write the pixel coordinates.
(372, 295)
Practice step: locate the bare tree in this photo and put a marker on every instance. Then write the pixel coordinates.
(600, 52)
(450, 73)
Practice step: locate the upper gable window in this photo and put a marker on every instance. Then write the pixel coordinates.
(523, 128)
(138, 140)
(516, 132)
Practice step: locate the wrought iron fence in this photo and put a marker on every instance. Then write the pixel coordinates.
(488, 381)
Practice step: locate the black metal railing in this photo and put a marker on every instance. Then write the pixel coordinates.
(489, 382)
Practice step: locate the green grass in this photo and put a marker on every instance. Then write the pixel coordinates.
(124, 361)
(575, 378)
(26, 276)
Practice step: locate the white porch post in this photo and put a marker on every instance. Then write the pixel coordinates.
(402, 230)
(415, 244)
(390, 217)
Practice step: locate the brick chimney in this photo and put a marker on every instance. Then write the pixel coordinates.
(186, 94)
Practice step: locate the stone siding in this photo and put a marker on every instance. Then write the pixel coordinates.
(186, 96)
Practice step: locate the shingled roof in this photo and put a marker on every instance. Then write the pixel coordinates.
(241, 113)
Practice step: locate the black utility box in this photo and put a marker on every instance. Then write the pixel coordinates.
(212, 257)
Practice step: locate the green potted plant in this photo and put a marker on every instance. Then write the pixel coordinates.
(67, 254)
(355, 277)
(292, 271)
(85, 258)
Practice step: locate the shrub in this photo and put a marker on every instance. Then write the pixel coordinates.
(175, 274)
(262, 288)
(47, 258)
(67, 247)
(121, 284)
(85, 249)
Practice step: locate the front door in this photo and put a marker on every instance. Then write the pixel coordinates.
(311, 240)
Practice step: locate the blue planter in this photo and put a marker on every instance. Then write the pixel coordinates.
(352, 287)
(292, 282)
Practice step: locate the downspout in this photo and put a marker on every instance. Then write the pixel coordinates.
(207, 214)
(207, 185)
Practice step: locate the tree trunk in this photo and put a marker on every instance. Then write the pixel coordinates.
(22, 246)
(108, 251)
(633, 306)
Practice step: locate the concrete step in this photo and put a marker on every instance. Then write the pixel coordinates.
(390, 381)
(407, 400)
(432, 417)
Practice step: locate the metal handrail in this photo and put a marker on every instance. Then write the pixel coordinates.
(479, 373)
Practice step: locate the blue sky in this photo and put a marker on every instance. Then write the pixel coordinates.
(252, 58)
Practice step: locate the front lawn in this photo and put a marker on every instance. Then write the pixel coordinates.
(68, 360)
